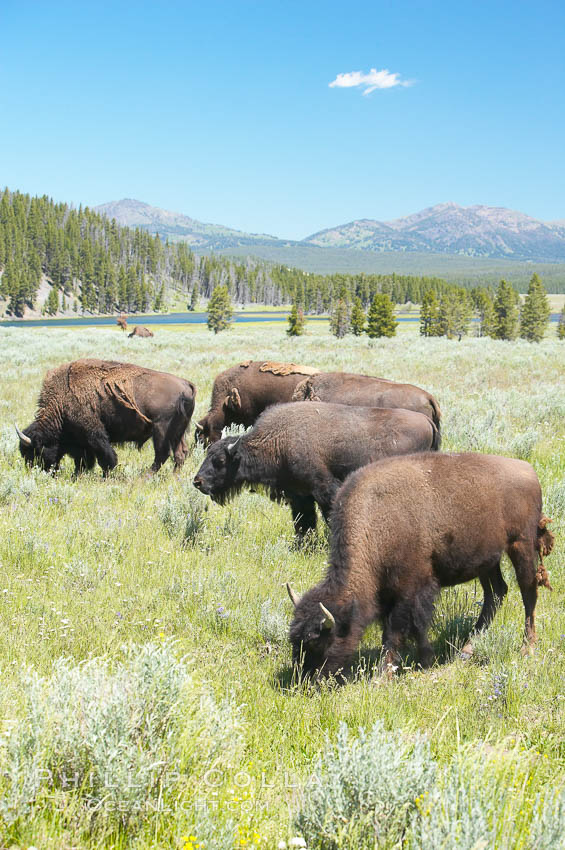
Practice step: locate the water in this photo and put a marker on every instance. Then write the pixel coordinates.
(174, 319)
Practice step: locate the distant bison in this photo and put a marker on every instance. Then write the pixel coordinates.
(242, 393)
(405, 527)
(139, 330)
(304, 452)
(86, 405)
(366, 391)
(122, 321)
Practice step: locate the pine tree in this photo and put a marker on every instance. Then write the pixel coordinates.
(357, 318)
(194, 297)
(561, 324)
(484, 309)
(340, 319)
(454, 313)
(220, 310)
(535, 312)
(296, 321)
(380, 319)
(52, 302)
(505, 324)
(429, 314)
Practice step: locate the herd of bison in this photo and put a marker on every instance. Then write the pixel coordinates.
(405, 518)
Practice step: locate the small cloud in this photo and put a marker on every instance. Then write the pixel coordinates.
(369, 82)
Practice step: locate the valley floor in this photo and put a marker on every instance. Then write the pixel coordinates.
(147, 697)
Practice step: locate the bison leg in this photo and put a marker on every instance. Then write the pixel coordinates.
(396, 627)
(495, 589)
(105, 454)
(168, 437)
(524, 560)
(84, 461)
(303, 514)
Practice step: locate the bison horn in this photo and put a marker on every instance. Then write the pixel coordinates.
(23, 437)
(294, 598)
(231, 447)
(198, 426)
(329, 620)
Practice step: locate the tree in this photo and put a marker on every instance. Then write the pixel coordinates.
(535, 312)
(220, 310)
(381, 320)
(296, 321)
(561, 324)
(52, 302)
(429, 314)
(505, 324)
(340, 318)
(454, 313)
(484, 309)
(194, 297)
(357, 318)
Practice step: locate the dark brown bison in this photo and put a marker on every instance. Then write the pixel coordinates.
(405, 527)
(304, 452)
(139, 330)
(242, 393)
(86, 405)
(122, 321)
(366, 391)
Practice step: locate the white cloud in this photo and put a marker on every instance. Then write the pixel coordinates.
(370, 82)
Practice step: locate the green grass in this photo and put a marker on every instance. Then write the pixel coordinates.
(90, 565)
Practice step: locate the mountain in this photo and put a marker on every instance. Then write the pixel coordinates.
(476, 231)
(176, 227)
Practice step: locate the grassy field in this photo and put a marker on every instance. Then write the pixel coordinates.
(147, 698)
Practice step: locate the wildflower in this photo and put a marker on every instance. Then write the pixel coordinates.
(297, 841)
(221, 613)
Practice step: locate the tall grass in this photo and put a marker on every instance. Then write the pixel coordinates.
(143, 648)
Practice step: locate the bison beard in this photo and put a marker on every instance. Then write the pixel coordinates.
(402, 529)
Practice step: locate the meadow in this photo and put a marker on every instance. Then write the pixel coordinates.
(147, 698)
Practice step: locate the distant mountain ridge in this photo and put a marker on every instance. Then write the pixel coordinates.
(478, 231)
(176, 226)
(475, 231)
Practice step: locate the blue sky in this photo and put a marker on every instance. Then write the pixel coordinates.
(224, 110)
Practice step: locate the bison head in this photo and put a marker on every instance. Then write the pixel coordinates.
(36, 448)
(321, 637)
(217, 477)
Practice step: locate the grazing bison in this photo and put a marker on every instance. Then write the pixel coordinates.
(139, 330)
(242, 393)
(366, 391)
(304, 452)
(86, 405)
(405, 527)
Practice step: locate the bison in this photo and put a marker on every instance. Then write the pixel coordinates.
(304, 452)
(86, 405)
(366, 391)
(242, 393)
(139, 330)
(405, 527)
(122, 321)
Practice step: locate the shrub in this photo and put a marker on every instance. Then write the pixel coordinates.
(364, 789)
(111, 738)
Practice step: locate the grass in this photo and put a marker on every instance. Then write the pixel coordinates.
(146, 585)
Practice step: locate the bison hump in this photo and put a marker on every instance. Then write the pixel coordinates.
(287, 368)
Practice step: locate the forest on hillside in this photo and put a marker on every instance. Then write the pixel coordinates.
(96, 266)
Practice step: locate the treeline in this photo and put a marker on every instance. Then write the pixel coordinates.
(95, 265)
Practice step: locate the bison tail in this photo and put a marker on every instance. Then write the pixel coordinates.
(185, 405)
(436, 412)
(436, 441)
(545, 541)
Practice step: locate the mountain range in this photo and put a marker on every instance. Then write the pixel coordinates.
(448, 229)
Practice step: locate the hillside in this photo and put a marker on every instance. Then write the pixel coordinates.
(439, 231)
(175, 226)
(476, 231)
